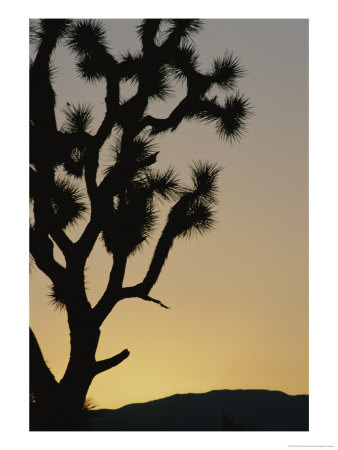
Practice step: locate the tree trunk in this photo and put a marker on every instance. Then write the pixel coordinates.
(81, 366)
(61, 406)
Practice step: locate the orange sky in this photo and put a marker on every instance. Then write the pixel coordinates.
(239, 295)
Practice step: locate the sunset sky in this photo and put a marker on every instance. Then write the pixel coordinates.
(239, 295)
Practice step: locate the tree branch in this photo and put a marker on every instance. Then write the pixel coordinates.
(114, 181)
(41, 248)
(62, 241)
(114, 293)
(112, 104)
(106, 364)
(110, 185)
(171, 122)
(111, 295)
(160, 255)
(109, 299)
(138, 291)
(87, 240)
(42, 109)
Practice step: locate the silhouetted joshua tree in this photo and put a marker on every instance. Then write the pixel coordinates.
(64, 168)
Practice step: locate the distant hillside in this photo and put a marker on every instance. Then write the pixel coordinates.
(252, 410)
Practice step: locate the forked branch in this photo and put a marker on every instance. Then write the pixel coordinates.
(111, 295)
(62, 241)
(41, 248)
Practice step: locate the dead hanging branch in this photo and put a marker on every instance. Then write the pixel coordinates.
(150, 299)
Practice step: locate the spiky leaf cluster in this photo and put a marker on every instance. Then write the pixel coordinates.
(198, 219)
(77, 118)
(149, 72)
(132, 214)
(157, 84)
(185, 62)
(130, 66)
(194, 213)
(63, 202)
(87, 37)
(51, 30)
(163, 184)
(130, 221)
(57, 298)
(77, 122)
(91, 69)
(226, 71)
(67, 203)
(204, 180)
(137, 151)
(229, 119)
(183, 28)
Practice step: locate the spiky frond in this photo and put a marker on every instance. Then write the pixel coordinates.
(193, 213)
(139, 149)
(87, 37)
(130, 66)
(183, 28)
(78, 118)
(91, 68)
(67, 202)
(231, 124)
(164, 184)
(157, 84)
(185, 61)
(131, 222)
(230, 120)
(225, 71)
(204, 179)
(199, 219)
(56, 300)
(154, 77)
(50, 29)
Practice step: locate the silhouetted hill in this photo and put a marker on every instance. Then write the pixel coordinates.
(256, 410)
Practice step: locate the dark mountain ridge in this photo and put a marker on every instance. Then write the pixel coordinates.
(232, 410)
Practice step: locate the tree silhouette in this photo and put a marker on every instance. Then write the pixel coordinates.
(64, 188)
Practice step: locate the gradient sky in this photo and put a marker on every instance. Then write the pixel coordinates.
(239, 295)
